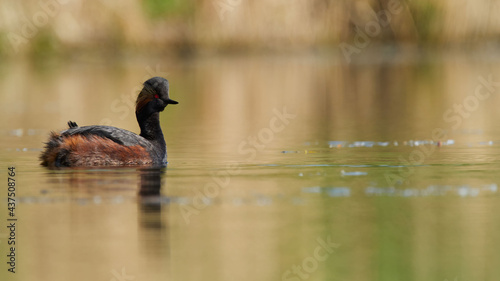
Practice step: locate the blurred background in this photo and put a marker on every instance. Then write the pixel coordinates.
(325, 112)
(181, 28)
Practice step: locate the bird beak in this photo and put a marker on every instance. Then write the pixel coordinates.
(172, 102)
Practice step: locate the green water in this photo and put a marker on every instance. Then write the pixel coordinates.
(280, 168)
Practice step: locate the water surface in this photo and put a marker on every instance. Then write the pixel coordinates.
(269, 159)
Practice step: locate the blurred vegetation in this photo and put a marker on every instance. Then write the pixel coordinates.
(43, 45)
(426, 16)
(4, 43)
(158, 9)
(45, 27)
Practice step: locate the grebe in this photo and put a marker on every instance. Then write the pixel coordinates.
(110, 146)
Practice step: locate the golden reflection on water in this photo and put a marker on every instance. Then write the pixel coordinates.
(269, 208)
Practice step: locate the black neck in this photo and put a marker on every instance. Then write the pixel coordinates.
(150, 127)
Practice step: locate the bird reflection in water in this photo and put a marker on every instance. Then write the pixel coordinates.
(150, 201)
(153, 230)
(150, 181)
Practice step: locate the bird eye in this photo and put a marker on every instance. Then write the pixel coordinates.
(157, 96)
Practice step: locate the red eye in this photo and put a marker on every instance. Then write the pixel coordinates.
(157, 96)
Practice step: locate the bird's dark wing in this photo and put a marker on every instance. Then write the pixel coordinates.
(117, 135)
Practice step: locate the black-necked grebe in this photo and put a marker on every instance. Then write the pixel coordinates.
(110, 146)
